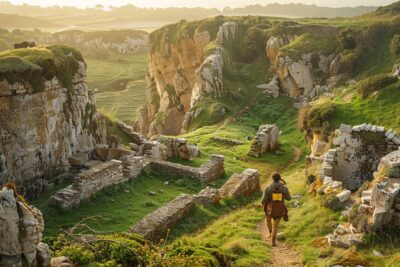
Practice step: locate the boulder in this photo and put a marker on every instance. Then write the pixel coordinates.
(117, 153)
(61, 262)
(344, 195)
(101, 151)
(43, 255)
(78, 159)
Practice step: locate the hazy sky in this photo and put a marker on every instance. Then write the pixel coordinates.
(202, 3)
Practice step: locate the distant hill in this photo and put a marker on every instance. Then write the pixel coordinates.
(130, 16)
(299, 10)
(18, 21)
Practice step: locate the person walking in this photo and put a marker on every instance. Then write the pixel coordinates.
(273, 202)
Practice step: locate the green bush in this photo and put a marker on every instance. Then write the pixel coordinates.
(77, 254)
(332, 202)
(317, 119)
(374, 83)
(395, 45)
(347, 38)
(252, 44)
(359, 221)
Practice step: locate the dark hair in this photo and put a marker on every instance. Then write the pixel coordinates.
(276, 177)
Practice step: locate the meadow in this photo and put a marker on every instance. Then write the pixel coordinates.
(121, 84)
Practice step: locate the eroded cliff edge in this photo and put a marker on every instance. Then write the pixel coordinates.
(47, 113)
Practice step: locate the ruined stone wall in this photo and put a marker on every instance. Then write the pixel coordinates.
(155, 225)
(244, 184)
(211, 170)
(89, 182)
(40, 130)
(358, 152)
(266, 140)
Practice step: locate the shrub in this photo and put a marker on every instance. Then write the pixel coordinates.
(395, 45)
(347, 38)
(332, 202)
(317, 119)
(77, 254)
(253, 43)
(359, 221)
(374, 83)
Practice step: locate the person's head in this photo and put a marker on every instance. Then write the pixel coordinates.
(276, 177)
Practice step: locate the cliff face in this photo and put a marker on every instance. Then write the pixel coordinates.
(304, 72)
(179, 75)
(44, 121)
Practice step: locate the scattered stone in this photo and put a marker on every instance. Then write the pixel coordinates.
(377, 253)
(344, 195)
(61, 262)
(152, 193)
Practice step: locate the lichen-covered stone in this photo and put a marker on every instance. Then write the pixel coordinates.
(244, 184)
(266, 140)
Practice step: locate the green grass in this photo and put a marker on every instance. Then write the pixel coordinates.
(121, 85)
(118, 207)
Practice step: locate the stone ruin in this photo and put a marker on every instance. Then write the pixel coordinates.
(89, 182)
(243, 184)
(358, 152)
(266, 140)
(157, 224)
(211, 170)
(379, 205)
(21, 228)
(272, 88)
(110, 164)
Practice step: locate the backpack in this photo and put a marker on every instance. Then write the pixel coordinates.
(278, 208)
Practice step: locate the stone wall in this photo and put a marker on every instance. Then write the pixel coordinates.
(211, 170)
(40, 130)
(244, 184)
(89, 182)
(358, 152)
(21, 230)
(156, 225)
(266, 140)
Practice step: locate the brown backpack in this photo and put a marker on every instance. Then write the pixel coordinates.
(277, 205)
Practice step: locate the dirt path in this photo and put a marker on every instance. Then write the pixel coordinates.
(283, 255)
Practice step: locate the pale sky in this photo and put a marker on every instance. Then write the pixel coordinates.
(202, 3)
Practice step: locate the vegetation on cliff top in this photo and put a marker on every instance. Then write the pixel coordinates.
(35, 65)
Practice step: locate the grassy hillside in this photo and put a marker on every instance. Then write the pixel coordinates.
(120, 83)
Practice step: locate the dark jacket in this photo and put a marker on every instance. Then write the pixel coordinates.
(275, 209)
(267, 197)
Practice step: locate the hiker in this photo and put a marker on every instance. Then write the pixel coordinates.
(273, 202)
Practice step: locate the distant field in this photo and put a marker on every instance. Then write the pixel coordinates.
(120, 83)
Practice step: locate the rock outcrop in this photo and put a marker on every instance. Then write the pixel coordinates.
(21, 228)
(115, 41)
(308, 76)
(180, 74)
(396, 70)
(41, 128)
(266, 140)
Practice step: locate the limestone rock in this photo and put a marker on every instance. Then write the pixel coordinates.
(61, 261)
(344, 195)
(78, 159)
(41, 130)
(396, 70)
(21, 228)
(43, 255)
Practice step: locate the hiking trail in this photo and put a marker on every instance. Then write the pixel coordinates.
(282, 255)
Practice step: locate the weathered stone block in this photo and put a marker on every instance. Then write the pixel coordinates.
(78, 159)
(243, 184)
(344, 195)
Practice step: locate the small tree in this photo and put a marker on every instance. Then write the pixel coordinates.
(395, 45)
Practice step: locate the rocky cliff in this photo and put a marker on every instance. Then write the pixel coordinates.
(305, 60)
(180, 74)
(47, 113)
(112, 41)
